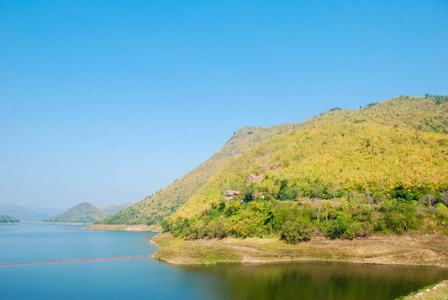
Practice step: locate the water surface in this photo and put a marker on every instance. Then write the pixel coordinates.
(139, 278)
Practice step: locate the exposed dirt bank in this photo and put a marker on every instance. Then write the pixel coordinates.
(411, 249)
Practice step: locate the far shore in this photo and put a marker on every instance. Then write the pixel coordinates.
(410, 249)
(136, 228)
(65, 223)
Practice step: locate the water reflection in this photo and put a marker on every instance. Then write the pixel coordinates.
(316, 280)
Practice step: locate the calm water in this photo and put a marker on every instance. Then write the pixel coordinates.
(146, 278)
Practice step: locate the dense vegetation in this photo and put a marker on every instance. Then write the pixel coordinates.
(4, 219)
(162, 204)
(300, 221)
(82, 213)
(381, 168)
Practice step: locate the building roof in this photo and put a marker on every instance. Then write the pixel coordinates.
(232, 193)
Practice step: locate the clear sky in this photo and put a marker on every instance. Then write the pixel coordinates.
(109, 101)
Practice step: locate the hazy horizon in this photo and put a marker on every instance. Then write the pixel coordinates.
(110, 102)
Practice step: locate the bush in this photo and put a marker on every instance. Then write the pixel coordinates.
(442, 211)
(429, 199)
(361, 229)
(337, 228)
(296, 231)
(240, 229)
(216, 229)
(399, 215)
(233, 208)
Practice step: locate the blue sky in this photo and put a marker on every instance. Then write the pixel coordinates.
(109, 101)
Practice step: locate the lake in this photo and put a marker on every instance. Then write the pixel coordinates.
(146, 278)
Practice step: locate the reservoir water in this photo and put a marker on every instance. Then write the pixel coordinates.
(146, 278)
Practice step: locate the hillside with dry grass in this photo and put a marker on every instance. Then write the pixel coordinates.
(380, 168)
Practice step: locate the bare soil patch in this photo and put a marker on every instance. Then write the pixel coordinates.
(412, 249)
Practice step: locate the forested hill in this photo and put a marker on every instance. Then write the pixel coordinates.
(163, 203)
(84, 212)
(8, 219)
(397, 149)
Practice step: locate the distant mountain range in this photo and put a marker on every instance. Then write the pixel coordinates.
(50, 211)
(39, 213)
(24, 214)
(84, 212)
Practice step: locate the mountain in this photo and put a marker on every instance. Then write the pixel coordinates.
(158, 206)
(81, 213)
(8, 219)
(401, 141)
(385, 167)
(50, 211)
(22, 213)
(112, 208)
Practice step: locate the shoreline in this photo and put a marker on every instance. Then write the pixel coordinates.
(409, 250)
(129, 228)
(434, 291)
(65, 223)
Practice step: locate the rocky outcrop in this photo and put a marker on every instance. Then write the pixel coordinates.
(255, 179)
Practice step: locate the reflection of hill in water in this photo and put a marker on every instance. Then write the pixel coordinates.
(318, 280)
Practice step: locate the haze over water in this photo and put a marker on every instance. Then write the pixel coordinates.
(138, 278)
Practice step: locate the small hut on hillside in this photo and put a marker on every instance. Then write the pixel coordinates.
(228, 195)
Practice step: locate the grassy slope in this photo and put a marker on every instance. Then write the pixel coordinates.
(166, 201)
(437, 291)
(81, 213)
(401, 141)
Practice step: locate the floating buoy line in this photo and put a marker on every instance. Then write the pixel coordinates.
(68, 260)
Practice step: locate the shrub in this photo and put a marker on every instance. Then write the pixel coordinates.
(399, 215)
(296, 231)
(337, 227)
(233, 208)
(442, 211)
(216, 229)
(429, 199)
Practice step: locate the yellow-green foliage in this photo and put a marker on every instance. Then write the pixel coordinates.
(400, 144)
(163, 203)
